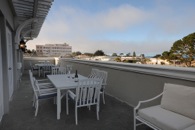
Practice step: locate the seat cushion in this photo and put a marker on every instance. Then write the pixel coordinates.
(165, 119)
(190, 128)
(179, 99)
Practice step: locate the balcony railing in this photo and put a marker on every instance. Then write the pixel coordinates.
(131, 83)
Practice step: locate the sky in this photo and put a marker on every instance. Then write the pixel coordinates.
(147, 27)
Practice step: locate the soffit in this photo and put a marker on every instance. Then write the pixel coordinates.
(27, 9)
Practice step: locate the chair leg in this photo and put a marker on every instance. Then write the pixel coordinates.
(76, 116)
(103, 97)
(97, 111)
(67, 110)
(36, 107)
(134, 120)
(33, 101)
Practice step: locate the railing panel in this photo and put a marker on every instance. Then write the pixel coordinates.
(133, 82)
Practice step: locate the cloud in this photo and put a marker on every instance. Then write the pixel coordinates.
(155, 28)
(77, 20)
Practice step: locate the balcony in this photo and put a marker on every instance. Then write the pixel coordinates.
(127, 84)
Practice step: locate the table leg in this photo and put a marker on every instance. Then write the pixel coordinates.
(58, 103)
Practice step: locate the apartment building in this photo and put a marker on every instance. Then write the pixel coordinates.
(53, 49)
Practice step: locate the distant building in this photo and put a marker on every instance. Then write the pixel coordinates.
(53, 50)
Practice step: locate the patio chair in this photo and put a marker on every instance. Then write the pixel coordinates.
(54, 70)
(58, 70)
(100, 74)
(68, 69)
(103, 76)
(33, 67)
(93, 73)
(62, 70)
(87, 94)
(41, 93)
(43, 83)
(46, 70)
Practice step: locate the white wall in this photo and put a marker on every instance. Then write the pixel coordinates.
(134, 82)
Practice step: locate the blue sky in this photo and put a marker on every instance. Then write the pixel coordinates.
(117, 26)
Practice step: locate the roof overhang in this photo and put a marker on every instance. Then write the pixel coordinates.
(30, 9)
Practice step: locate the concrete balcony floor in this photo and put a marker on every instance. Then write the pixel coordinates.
(114, 115)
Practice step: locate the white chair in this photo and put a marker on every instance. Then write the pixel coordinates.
(43, 83)
(54, 70)
(100, 74)
(68, 69)
(46, 69)
(33, 67)
(87, 94)
(41, 93)
(94, 73)
(103, 76)
(58, 70)
(62, 70)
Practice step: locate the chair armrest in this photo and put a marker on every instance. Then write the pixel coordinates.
(45, 84)
(42, 80)
(47, 89)
(148, 100)
(71, 94)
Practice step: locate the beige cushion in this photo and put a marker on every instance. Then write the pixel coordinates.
(165, 119)
(179, 99)
(191, 127)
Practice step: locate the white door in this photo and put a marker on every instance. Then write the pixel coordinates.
(1, 83)
(10, 62)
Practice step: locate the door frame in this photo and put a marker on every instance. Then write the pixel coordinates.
(10, 62)
(1, 83)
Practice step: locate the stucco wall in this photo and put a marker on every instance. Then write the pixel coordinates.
(131, 82)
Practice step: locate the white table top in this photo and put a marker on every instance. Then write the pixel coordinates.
(64, 81)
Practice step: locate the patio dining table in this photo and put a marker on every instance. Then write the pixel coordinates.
(42, 65)
(63, 82)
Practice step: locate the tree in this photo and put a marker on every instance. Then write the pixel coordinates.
(128, 54)
(99, 53)
(142, 56)
(184, 49)
(29, 51)
(88, 54)
(121, 54)
(76, 53)
(157, 56)
(165, 55)
(114, 54)
(134, 54)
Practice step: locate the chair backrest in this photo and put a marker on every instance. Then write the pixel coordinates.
(62, 70)
(94, 73)
(47, 67)
(88, 91)
(54, 70)
(68, 68)
(100, 74)
(103, 75)
(32, 81)
(58, 70)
